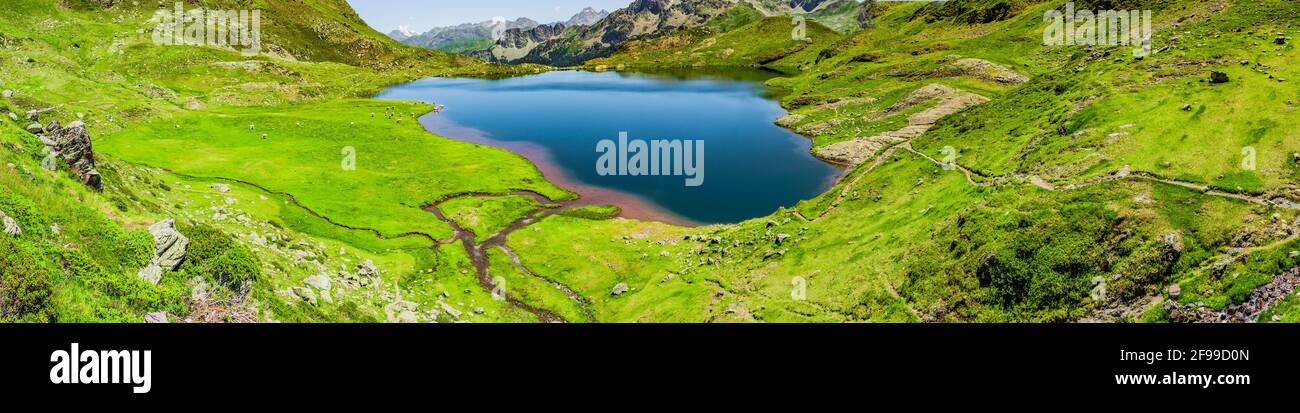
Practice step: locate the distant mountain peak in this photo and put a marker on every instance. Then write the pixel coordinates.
(403, 32)
(586, 17)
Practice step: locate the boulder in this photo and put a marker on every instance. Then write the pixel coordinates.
(1175, 291)
(151, 273)
(35, 128)
(10, 226)
(73, 142)
(319, 282)
(13, 116)
(170, 245)
(1219, 77)
(780, 238)
(620, 289)
(156, 318)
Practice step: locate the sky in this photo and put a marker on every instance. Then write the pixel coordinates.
(421, 15)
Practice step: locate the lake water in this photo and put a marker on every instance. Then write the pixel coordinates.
(751, 167)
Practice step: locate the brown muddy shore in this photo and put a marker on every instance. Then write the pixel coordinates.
(631, 206)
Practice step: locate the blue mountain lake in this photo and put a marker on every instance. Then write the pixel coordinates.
(750, 167)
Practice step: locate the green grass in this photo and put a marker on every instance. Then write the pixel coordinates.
(400, 168)
(486, 216)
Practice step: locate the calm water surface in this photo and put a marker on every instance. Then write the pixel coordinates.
(751, 166)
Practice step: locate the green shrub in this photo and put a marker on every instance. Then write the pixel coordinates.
(25, 291)
(217, 256)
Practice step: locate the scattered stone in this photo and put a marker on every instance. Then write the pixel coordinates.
(304, 294)
(1175, 291)
(1277, 318)
(620, 289)
(35, 128)
(1187, 107)
(156, 318)
(13, 116)
(780, 238)
(452, 311)
(319, 282)
(1219, 77)
(1280, 40)
(8, 93)
(222, 188)
(367, 269)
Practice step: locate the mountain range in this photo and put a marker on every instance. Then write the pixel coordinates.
(564, 45)
(483, 35)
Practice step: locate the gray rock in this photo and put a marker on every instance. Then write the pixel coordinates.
(33, 116)
(73, 142)
(304, 294)
(8, 93)
(451, 311)
(319, 282)
(11, 226)
(367, 269)
(13, 116)
(780, 238)
(1219, 77)
(170, 244)
(222, 188)
(35, 128)
(1175, 291)
(151, 273)
(156, 318)
(620, 289)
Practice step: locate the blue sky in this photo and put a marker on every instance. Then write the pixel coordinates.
(421, 15)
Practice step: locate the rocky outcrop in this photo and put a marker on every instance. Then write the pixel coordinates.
(73, 144)
(989, 71)
(170, 247)
(525, 38)
(558, 45)
(859, 150)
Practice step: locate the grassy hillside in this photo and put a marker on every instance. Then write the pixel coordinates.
(175, 126)
(761, 42)
(991, 177)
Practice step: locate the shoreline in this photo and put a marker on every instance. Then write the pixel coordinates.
(630, 206)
